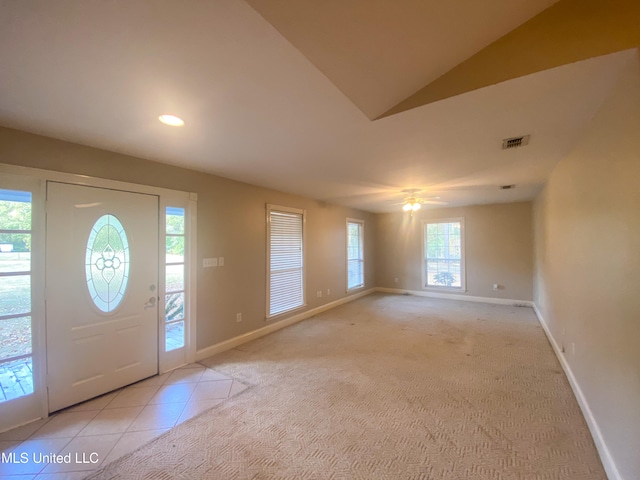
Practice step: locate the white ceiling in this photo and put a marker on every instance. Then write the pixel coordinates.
(257, 110)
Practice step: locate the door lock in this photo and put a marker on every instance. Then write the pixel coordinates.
(151, 303)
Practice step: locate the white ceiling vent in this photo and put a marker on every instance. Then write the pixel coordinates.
(515, 142)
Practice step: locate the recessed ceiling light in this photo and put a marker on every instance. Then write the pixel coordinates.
(171, 120)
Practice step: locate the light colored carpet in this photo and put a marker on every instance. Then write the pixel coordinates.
(386, 387)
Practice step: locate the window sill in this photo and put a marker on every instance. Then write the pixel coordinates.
(355, 289)
(433, 288)
(282, 314)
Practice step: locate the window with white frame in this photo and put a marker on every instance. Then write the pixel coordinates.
(174, 279)
(355, 254)
(285, 259)
(444, 254)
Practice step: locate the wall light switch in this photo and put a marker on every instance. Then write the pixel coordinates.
(221, 261)
(209, 262)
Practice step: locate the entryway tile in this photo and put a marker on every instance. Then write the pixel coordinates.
(65, 424)
(94, 404)
(133, 397)
(155, 417)
(31, 453)
(131, 441)
(156, 380)
(211, 375)
(211, 390)
(236, 388)
(115, 424)
(23, 432)
(185, 375)
(108, 421)
(197, 406)
(180, 392)
(84, 451)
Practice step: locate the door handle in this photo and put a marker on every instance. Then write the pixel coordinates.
(151, 303)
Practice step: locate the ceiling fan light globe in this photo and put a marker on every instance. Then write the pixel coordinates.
(406, 207)
(416, 207)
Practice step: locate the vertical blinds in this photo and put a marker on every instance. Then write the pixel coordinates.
(355, 258)
(286, 262)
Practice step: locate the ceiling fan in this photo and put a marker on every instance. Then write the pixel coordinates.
(413, 203)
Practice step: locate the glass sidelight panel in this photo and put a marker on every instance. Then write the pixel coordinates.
(174, 336)
(175, 249)
(16, 376)
(15, 292)
(175, 279)
(15, 337)
(174, 309)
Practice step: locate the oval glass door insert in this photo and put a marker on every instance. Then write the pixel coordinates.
(107, 263)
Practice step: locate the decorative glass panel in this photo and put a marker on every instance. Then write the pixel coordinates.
(15, 295)
(15, 337)
(175, 278)
(107, 263)
(175, 220)
(174, 306)
(175, 249)
(15, 252)
(174, 336)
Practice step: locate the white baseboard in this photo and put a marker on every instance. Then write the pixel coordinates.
(605, 455)
(456, 296)
(272, 327)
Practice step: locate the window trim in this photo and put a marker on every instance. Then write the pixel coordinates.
(278, 208)
(463, 259)
(346, 236)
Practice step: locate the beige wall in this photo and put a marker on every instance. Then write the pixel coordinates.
(498, 241)
(587, 284)
(231, 223)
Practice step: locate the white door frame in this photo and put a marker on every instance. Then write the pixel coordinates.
(168, 197)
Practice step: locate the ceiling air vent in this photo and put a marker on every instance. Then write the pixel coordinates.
(507, 187)
(515, 142)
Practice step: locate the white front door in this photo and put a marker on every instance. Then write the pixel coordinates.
(101, 291)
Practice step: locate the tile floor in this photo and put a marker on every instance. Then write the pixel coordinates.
(112, 425)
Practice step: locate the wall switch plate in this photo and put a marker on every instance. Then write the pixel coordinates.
(209, 262)
(328, 292)
(238, 317)
(319, 293)
(221, 261)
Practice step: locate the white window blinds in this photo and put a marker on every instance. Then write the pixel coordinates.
(355, 254)
(286, 259)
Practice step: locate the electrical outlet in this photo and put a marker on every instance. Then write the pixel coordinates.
(238, 317)
(328, 292)
(395, 280)
(319, 293)
(495, 286)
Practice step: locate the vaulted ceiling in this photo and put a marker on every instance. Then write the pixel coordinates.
(346, 101)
